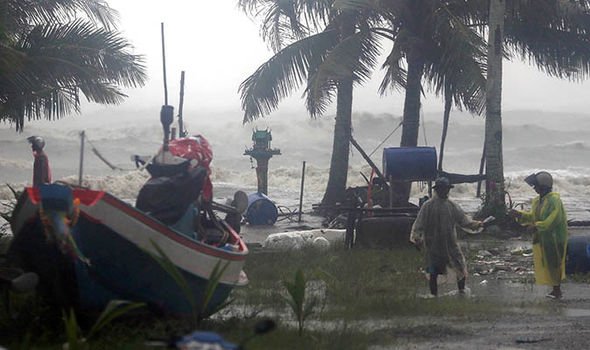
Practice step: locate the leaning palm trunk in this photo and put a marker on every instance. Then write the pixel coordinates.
(493, 127)
(411, 120)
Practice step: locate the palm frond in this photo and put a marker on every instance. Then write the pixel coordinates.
(22, 13)
(281, 21)
(10, 58)
(472, 13)
(60, 61)
(553, 34)
(281, 24)
(557, 14)
(456, 61)
(557, 53)
(395, 74)
(317, 13)
(368, 12)
(80, 47)
(356, 5)
(354, 57)
(282, 74)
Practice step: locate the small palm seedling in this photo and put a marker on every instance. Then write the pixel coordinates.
(301, 307)
(74, 336)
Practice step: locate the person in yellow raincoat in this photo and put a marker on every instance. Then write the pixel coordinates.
(547, 221)
(435, 229)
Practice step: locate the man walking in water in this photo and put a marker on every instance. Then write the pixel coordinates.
(547, 221)
(41, 171)
(435, 229)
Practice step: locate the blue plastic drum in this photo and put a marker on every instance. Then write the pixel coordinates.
(409, 163)
(261, 210)
(578, 255)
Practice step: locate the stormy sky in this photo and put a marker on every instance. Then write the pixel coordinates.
(219, 46)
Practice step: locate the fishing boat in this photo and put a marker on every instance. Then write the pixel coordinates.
(170, 250)
(89, 247)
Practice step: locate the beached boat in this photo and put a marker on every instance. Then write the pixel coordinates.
(89, 247)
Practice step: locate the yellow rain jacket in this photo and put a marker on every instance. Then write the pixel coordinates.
(550, 240)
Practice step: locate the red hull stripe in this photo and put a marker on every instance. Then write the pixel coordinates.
(163, 229)
(86, 197)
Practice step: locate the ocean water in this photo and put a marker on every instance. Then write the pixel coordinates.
(533, 141)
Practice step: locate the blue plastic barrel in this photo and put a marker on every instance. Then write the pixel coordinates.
(261, 210)
(409, 163)
(578, 255)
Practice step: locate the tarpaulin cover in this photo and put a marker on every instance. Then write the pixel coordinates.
(167, 197)
(173, 187)
(195, 148)
(192, 147)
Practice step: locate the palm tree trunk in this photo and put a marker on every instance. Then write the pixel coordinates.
(412, 103)
(411, 120)
(446, 117)
(341, 146)
(336, 189)
(495, 203)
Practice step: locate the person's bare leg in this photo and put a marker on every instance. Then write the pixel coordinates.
(433, 284)
(556, 292)
(461, 285)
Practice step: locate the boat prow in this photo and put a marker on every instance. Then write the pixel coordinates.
(114, 251)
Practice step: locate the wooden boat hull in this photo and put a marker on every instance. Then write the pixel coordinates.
(119, 242)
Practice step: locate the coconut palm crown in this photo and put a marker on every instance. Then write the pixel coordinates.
(53, 51)
(323, 49)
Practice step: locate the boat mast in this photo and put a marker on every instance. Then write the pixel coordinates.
(167, 112)
(181, 131)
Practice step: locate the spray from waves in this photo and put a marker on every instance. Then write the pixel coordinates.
(570, 182)
(125, 186)
(573, 184)
(574, 145)
(527, 149)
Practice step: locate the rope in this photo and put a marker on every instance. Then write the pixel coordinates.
(387, 138)
(111, 165)
(287, 213)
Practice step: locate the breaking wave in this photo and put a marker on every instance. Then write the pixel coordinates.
(527, 148)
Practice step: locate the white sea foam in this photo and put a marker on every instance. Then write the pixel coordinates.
(527, 148)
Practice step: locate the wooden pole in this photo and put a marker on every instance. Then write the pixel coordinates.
(301, 192)
(366, 157)
(81, 168)
(181, 132)
(482, 163)
(167, 112)
(164, 65)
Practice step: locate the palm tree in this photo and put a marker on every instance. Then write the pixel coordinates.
(329, 53)
(432, 44)
(552, 34)
(461, 85)
(49, 58)
(493, 127)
